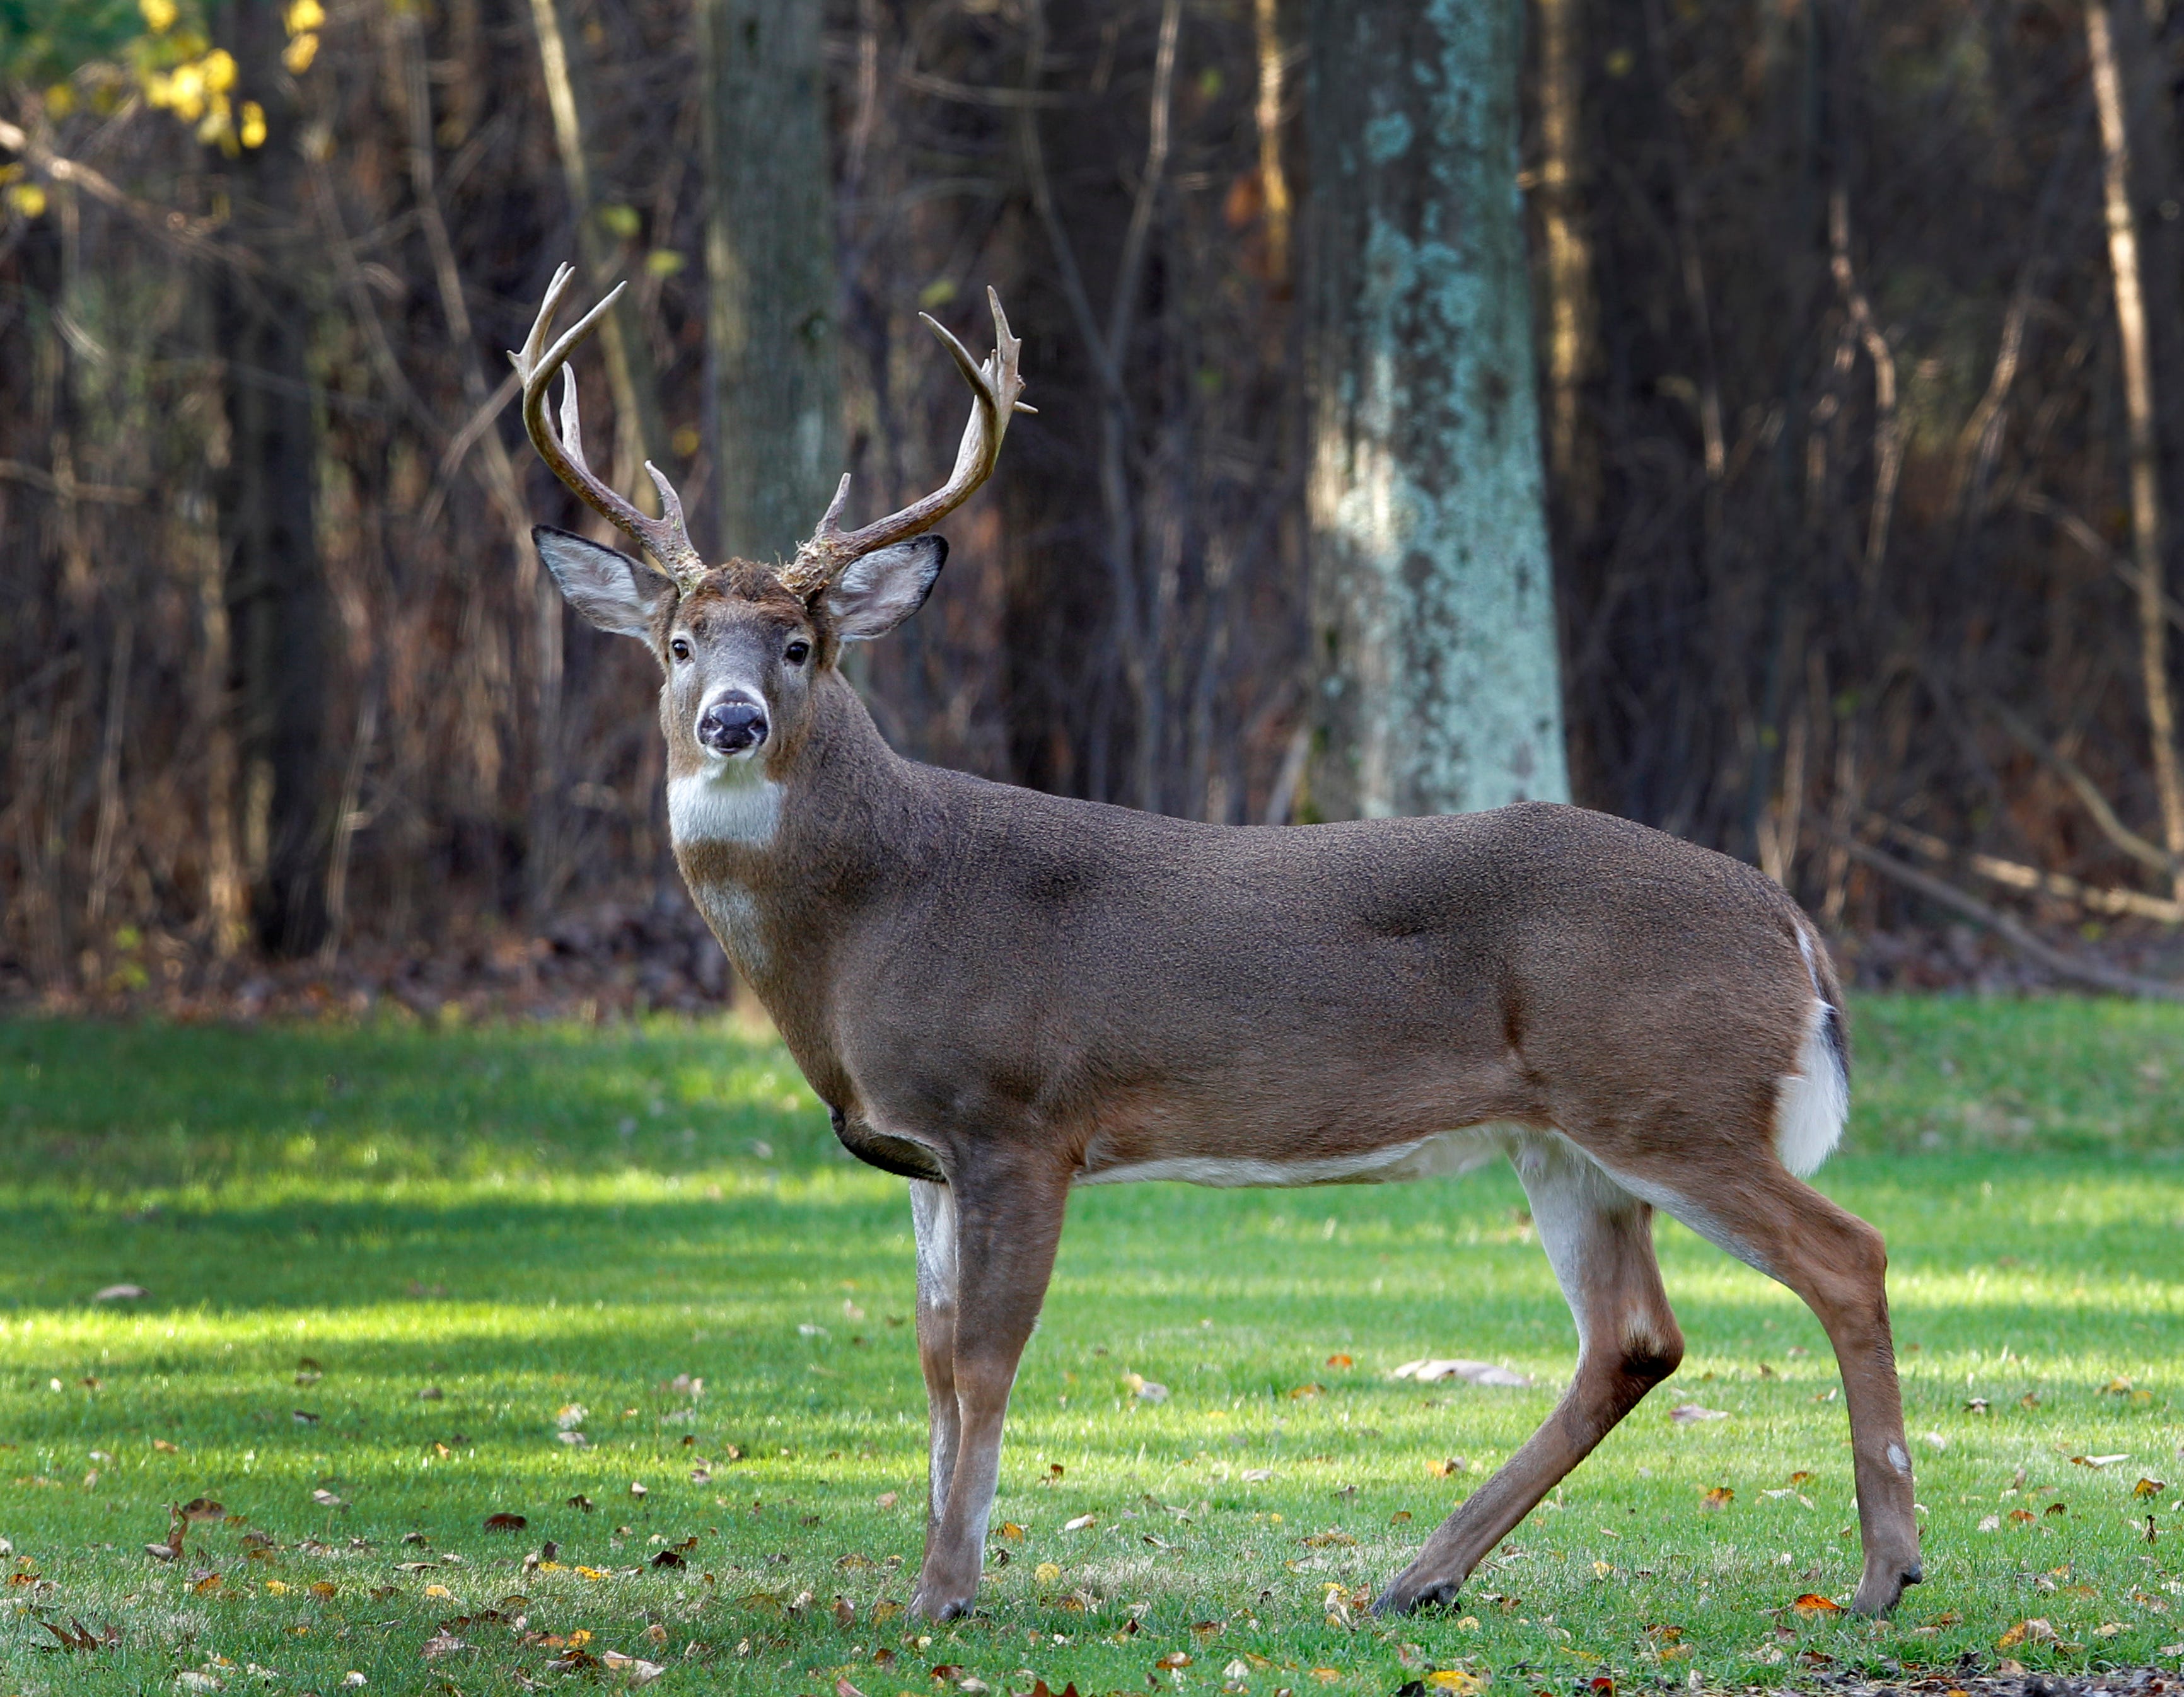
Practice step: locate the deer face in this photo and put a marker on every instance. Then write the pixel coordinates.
(740, 654)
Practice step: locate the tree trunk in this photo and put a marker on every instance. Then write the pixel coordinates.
(1433, 594)
(2144, 457)
(1573, 312)
(639, 431)
(772, 413)
(273, 581)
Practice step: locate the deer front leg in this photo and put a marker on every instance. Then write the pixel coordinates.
(932, 1218)
(1006, 1224)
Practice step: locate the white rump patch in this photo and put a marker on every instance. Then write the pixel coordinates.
(1812, 1103)
(733, 802)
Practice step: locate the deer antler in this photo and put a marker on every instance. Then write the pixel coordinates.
(996, 385)
(666, 537)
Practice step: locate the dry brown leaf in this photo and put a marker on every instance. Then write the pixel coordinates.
(204, 1509)
(504, 1521)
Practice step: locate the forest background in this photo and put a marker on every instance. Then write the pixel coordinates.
(1860, 341)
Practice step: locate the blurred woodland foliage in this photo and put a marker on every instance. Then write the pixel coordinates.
(1849, 455)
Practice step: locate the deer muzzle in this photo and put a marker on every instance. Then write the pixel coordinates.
(732, 724)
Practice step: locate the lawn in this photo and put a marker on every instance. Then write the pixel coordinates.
(398, 1282)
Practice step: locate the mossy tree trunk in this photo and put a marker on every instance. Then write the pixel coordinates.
(1433, 592)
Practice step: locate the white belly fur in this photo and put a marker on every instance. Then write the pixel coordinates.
(1444, 1154)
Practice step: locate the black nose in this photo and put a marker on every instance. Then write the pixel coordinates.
(731, 725)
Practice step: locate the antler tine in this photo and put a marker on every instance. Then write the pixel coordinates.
(996, 385)
(666, 538)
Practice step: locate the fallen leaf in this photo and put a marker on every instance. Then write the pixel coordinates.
(327, 1500)
(2026, 1632)
(2020, 1516)
(1257, 1476)
(121, 1293)
(430, 1394)
(1332, 1537)
(2099, 1460)
(353, 1681)
(1447, 1466)
(1144, 1389)
(1173, 1660)
(1456, 1679)
(843, 1688)
(636, 1489)
(188, 1680)
(1430, 1371)
(887, 1500)
(504, 1521)
(1340, 1361)
(1046, 1572)
(582, 1502)
(324, 1590)
(1811, 1603)
(442, 1642)
(161, 1444)
(1990, 1523)
(1720, 1497)
(668, 1558)
(1691, 1414)
(1009, 1529)
(2148, 1488)
(631, 1669)
(202, 1509)
(303, 1416)
(1081, 1523)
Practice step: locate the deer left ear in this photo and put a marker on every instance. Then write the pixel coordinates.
(883, 588)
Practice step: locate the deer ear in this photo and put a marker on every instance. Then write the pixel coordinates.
(618, 594)
(879, 592)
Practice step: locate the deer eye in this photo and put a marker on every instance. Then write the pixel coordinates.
(679, 648)
(797, 652)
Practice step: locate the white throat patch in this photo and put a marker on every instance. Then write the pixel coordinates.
(733, 803)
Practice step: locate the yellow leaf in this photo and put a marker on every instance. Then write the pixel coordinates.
(592, 1573)
(1046, 1572)
(322, 1589)
(2148, 1488)
(277, 1587)
(437, 1591)
(1720, 1497)
(1811, 1603)
(1458, 1679)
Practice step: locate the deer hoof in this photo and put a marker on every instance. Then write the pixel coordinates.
(937, 1603)
(1407, 1596)
(1882, 1588)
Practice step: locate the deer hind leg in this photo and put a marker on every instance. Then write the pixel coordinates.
(1838, 1265)
(933, 1219)
(1599, 1238)
(1006, 1229)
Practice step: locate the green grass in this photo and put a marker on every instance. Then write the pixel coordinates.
(539, 1221)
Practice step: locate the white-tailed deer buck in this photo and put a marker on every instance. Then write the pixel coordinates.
(1003, 995)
